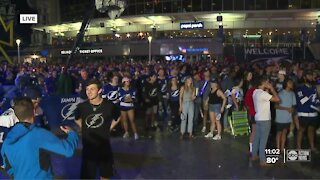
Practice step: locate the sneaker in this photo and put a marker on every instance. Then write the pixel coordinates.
(203, 129)
(136, 136)
(318, 131)
(126, 135)
(217, 137)
(209, 135)
(290, 135)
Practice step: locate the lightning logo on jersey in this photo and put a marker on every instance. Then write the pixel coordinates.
(175, 93)
(112, 95)
(153, 92)
(94, 121)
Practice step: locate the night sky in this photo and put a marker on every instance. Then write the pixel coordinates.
(22, 31)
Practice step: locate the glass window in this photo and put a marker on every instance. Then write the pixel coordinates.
(132, 2)
(216, 5)
(228, 5)
(196, 5)
(282, 4)
(206, 5)
(187, 5)
(140, 8)
(132, 9)
(177, 6)
(272, 4)
(167, 7)
(249, 5)
(294, 4)
(239, 5)
(261, 4)
(148, 8)
(305, 4)
(157, 7)
(315, 4)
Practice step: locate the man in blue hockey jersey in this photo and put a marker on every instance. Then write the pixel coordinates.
(7, 120)
(26, 149)
(307, 108)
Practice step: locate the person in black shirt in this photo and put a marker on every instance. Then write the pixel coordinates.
(151, 96)
(82, 83)
(94, 116)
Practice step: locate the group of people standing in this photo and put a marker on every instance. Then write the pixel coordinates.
(177, 97)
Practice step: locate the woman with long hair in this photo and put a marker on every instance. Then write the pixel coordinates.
(111, 92)
(127, 97)
(217, 103)
(237, 94)
(247, 81)
(186, 102)
(173, 95)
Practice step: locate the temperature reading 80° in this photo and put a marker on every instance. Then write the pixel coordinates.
(272, 160)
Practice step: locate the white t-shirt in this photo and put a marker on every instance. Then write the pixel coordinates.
(261, 100)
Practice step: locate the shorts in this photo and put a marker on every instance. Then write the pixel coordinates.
(308, 121)
(152, 109)
(97, 158)
(216, 108)
(126, 108)
(89, 169)
(282, 126)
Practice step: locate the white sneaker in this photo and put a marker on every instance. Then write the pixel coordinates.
(136, 136)
(209, 135)
(217, 137)
(126, 135)
(318, 131)
(290, 135)
(203, 129)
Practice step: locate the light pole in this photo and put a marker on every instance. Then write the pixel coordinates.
(150, 39)
(18, 41)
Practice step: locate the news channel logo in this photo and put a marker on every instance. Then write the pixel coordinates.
(298, 155)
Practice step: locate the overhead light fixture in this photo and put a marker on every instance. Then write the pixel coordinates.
(252, 36)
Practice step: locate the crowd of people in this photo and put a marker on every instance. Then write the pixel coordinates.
(181, 96)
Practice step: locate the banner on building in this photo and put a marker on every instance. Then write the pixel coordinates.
(268, 55)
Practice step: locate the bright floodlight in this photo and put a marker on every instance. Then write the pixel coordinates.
(18, 41)
(150, 38)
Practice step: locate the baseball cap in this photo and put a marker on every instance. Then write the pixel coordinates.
(125, 79)
(282, 72)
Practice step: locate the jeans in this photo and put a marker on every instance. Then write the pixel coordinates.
(187, 116)
(197, 107)
(225, 118)
(175, 118)
(260, 139)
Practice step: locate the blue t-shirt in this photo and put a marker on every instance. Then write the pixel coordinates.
(287, 99)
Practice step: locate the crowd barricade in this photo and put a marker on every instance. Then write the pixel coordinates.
(60, 110)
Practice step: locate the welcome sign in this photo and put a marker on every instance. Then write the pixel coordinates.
(268, 54)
